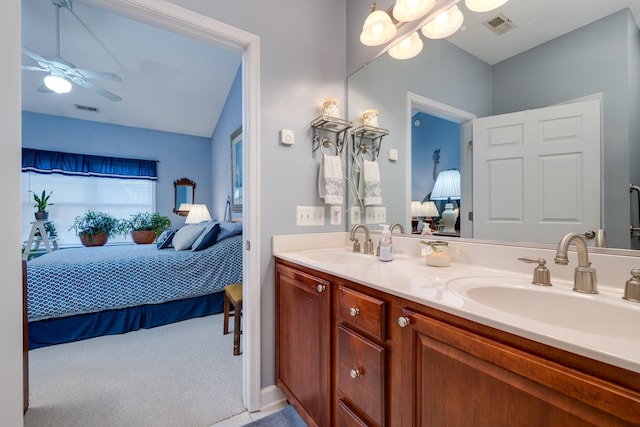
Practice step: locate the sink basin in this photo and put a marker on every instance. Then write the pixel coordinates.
(333, 256)
(593, 314)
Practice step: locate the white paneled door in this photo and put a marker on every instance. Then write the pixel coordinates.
(537, 173)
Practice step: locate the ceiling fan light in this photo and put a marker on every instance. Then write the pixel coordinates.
(484, 5)
(445, 24)
(377, 29)
(409, 10)
(407, 48)
(57, 84)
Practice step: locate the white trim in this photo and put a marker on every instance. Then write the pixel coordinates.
(417, 103)
(271, 396)
(187, 22)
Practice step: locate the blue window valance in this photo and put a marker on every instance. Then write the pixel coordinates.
(43, 161)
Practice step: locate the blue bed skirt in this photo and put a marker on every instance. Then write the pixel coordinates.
(111, 322)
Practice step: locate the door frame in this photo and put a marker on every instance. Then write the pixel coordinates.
(465, 119)
(171, 17)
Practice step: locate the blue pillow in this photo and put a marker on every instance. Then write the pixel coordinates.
(228, 229)
(207, 238)
(165, 239)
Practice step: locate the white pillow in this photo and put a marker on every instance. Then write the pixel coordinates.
(185, 237)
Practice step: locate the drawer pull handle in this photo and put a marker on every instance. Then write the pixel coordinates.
(354, 373)
(321, 288)
(354, 311)
(403, 321)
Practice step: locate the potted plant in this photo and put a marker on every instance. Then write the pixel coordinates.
(41, 203)
(145, 227)
(95, 228)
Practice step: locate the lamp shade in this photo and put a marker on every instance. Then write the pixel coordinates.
(484, 5)
(445, 24)
(197, 214)
(426, 209)
(409, 10)
(185, 206)
(377, 29)
(447, 185)
(407, 48)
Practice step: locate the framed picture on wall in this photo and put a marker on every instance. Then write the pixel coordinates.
(236, 170)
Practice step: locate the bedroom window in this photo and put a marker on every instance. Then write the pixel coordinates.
(80, 183)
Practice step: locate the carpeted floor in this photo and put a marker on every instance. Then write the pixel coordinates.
(182, 375)
(287, 417)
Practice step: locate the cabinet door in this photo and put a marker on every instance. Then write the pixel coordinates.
(454, 377)
(303, 343)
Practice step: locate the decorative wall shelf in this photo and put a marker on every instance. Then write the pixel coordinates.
(367, 140)
(332, 125)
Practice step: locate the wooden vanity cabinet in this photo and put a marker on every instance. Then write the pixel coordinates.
(394, 362)
(303, 343)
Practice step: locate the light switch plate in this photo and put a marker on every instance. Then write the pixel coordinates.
(336, 215)
(286, 136)
(356, 216)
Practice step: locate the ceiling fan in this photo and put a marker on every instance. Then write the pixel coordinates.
(61, 73)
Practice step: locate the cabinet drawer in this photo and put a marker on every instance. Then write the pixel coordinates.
(361, 374)
(347, 418)
(363, 313)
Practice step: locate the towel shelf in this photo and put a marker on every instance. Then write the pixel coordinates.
(367, 141)
(333, 125)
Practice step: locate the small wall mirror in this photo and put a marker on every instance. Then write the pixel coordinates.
(236, 170)
(185, 190)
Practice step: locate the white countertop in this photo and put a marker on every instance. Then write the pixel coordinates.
(409, 277)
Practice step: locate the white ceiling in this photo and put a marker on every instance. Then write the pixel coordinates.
(169, 82)
(177, 84)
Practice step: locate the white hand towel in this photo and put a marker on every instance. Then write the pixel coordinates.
(330, 182)
(369, 183)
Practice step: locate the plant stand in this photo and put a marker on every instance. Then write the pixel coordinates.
(32, 245)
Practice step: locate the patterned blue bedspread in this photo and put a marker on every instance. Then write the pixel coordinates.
(67, 282)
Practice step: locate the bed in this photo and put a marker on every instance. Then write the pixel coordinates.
(81, 293)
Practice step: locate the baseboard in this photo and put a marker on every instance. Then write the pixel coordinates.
(270, 396)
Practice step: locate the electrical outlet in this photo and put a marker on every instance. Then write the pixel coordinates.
(336, 215)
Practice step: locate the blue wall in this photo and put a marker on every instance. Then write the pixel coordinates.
(179, 155)
(431, 134)
(230, 120)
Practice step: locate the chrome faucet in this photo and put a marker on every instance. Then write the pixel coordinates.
(368, 244)
(394, 225)
(585, 276)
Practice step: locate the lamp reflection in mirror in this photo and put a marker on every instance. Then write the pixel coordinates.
(378, 28)
(197, 214)
(409, 10)
(445, 24)
(422, 210)
(447, 187)
(407, 48)
(186, 207)
(484, 5)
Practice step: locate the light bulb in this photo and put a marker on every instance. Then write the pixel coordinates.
(57, 84)
(377, 29)
(445, 24)
(407, 48)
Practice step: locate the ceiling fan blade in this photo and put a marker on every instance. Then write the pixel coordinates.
(97, 89)
(33, 55)
(30, 68)
(44, 89)
(99, 75)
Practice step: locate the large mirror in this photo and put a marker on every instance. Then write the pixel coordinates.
(601, 58)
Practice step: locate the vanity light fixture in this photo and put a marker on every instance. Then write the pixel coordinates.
(447, 187)
(410, 10)
(407, 48)
(445, 24)
(484, 5)
(378, 28)
(57, 84)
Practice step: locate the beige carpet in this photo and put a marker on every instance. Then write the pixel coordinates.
(182, 375)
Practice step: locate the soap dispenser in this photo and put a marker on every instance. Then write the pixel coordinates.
(386, 246)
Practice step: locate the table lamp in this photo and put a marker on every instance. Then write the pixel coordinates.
(447, 187)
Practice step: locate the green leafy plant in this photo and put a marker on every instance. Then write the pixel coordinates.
(145, 221)
(92, 223)
(42, 201)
